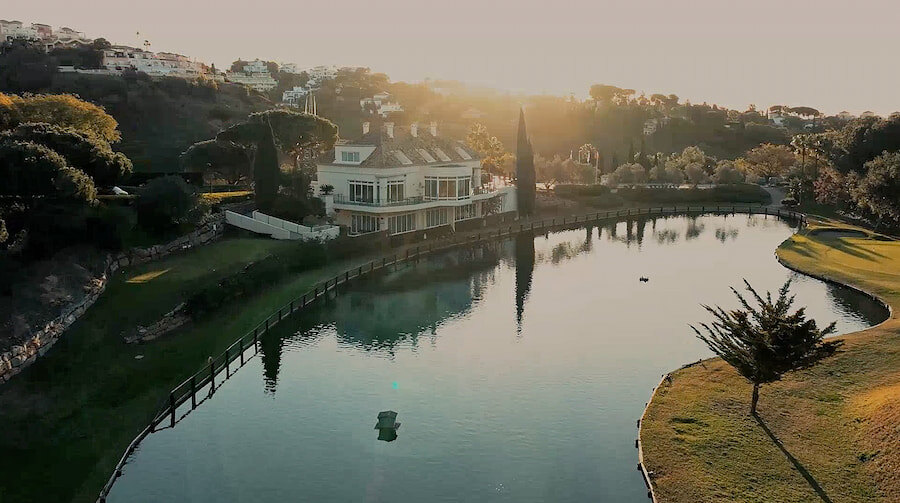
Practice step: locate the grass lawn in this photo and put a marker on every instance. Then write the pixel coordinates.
(836, 424)
(69, 417)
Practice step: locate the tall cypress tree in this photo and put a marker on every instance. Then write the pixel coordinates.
(525, 177)
(265, 168)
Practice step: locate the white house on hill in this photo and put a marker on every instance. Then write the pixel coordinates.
(408, 180)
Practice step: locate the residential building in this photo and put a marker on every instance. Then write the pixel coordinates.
(380, 104)
(254, 75)
(295, 97)
(290, 68)
(16, 29)
(319, 74)
(405, 180)
(120, 58)
(845, 116)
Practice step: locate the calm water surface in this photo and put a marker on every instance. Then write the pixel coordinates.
(518, 369)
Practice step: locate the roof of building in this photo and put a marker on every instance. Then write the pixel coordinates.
(395, 152)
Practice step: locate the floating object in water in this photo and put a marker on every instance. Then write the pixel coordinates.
(387, 419)
(644, 279)
(387, 425)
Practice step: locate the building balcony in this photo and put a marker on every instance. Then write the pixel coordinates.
(413, 203)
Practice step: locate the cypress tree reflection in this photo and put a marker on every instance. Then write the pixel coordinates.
(524, 244)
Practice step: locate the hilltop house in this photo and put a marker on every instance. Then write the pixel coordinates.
(380, 104)
(119, 58)
(254, 75)
(406, 181)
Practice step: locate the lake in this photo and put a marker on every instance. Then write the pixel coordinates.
(517, 368)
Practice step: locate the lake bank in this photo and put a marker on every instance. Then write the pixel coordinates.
(833, 423)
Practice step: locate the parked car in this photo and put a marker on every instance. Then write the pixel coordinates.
(789, 202)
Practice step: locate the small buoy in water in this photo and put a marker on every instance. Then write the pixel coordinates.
(139, 357)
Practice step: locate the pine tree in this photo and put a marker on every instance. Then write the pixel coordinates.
(525, 177)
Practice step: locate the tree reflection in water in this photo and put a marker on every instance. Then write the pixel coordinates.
(524, 250)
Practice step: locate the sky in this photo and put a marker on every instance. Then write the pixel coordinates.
(832, 55)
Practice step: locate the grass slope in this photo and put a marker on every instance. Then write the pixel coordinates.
(68, 418)
(836, 425)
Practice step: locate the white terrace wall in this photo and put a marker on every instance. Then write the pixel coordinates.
(39, 342)
(281, 229)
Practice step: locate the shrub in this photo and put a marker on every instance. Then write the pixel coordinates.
(737, 193)
(581, 190)
(257, 276)
(167, 202)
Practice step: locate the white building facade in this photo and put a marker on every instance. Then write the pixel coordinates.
(406, 181)
(119, 58)
(254, 75)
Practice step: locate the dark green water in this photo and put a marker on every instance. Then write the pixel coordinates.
(518, 369)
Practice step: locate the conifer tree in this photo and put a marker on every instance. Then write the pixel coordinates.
(525, 176)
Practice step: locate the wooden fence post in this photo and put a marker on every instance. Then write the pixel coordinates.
(212, 377)
(194, 391)
(241, 348)
(227, 366)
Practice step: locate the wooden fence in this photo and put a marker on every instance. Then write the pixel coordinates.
(204, 382)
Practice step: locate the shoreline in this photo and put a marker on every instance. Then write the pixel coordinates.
(797, 268)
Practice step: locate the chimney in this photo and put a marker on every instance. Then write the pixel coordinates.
(389, 128)
(433, 128)
(366, 127)
(414, 129)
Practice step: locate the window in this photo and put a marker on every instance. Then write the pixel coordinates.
(446, 188)
(361, 224)
(462, 187)
(349, 156)
(464, 212)
(395, 191)
(402, 223)
(436, 217)
(431, 187)
(402, 157)
(363, 192)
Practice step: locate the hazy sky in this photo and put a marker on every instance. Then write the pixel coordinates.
(830, 54)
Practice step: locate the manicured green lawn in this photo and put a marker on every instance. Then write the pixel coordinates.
(67, 419)
(837, 420)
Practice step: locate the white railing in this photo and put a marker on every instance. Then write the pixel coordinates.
(278, 228)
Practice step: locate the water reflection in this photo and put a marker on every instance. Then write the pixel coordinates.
(447, 342)
(524, 249)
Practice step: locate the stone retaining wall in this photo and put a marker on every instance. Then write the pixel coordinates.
(21, 356)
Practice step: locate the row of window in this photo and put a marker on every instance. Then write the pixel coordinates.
(363, 192)
(435, 217)
(361, 224)
(447, 187)
(402, 223)
(464, 212)
(349, 156)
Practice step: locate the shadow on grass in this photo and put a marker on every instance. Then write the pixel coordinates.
(800, 468)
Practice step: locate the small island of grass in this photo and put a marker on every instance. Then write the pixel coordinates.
(828, 433)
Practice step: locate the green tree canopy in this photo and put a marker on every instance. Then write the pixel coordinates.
(220, 159)
(63, 110)
(878, 191)
(763, 343)
(81, 151)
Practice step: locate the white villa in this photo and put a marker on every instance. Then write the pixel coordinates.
(254, 75)
(406, 181)
(119, 58)
(380, 104)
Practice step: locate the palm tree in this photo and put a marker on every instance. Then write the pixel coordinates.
(763, 343)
